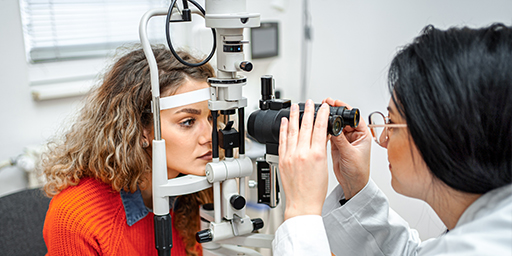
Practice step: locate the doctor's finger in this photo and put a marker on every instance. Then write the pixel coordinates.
(283, 134)
(293, 128)
(319, 139)
(336, 103)
(306, 127)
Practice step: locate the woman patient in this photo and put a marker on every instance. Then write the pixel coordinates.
(99, 172)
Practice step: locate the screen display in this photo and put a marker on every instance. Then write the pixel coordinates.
(264, 40)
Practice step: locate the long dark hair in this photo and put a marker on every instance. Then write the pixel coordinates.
(454, 89)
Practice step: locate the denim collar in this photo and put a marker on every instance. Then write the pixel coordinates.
(134, 206)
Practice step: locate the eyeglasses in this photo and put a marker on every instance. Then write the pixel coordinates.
(379, 126)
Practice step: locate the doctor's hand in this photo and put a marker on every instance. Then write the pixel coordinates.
(351, 155)
(303, 160)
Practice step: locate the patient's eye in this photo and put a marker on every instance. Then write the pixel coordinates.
(188, 123)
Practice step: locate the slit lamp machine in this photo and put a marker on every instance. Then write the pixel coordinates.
(227, 225)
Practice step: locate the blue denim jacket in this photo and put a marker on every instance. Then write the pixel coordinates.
(134, 206)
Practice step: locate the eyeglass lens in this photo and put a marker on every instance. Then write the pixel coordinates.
(379, 133)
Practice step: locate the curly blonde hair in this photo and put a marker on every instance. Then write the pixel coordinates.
(105, 141)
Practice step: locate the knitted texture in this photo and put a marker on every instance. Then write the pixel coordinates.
(89, 219)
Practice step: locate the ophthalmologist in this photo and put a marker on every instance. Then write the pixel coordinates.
(448, 135)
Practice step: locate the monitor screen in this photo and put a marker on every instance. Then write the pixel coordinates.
(264, 40)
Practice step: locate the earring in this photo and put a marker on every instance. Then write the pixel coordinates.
(145, 144)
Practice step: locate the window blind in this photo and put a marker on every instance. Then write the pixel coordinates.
(71, 29)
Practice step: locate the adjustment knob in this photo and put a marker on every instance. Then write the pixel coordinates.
(204, 236)
(237, 201)
(257, 224)
(252, 183)
(246, 66)
(208, 207)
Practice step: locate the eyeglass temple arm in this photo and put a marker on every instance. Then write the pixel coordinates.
(386, 125)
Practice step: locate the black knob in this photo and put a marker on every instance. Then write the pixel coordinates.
(237, 201)
(204, 236)
(257, 224)
(246, 66)
(208, 207)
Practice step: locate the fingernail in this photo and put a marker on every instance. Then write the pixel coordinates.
(295, 107)
(309, 103)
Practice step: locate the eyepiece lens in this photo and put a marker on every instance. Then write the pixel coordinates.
(355, 113)
(335, 125)
(351, 117)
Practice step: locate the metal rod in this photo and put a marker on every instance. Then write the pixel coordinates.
(215, 136)
(241, 130)
(273, 187)
(241, 186)
(217, 202)
(162, 219)
(156, 118)
(153, 68)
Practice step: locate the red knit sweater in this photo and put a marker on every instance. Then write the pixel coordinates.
(89, 219)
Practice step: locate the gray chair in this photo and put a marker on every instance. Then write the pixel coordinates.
(22, 217)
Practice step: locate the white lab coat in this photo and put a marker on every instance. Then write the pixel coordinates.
(366, 225)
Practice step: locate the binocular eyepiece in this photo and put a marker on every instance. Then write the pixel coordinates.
(264, 124)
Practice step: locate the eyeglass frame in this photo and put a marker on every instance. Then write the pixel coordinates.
(386, 125)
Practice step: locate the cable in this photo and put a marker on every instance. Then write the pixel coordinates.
(168, 36)
(6, 163)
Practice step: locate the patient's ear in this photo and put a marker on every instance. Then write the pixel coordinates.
(147, 137)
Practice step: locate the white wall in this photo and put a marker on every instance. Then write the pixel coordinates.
(353, 44)
(23, 121)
